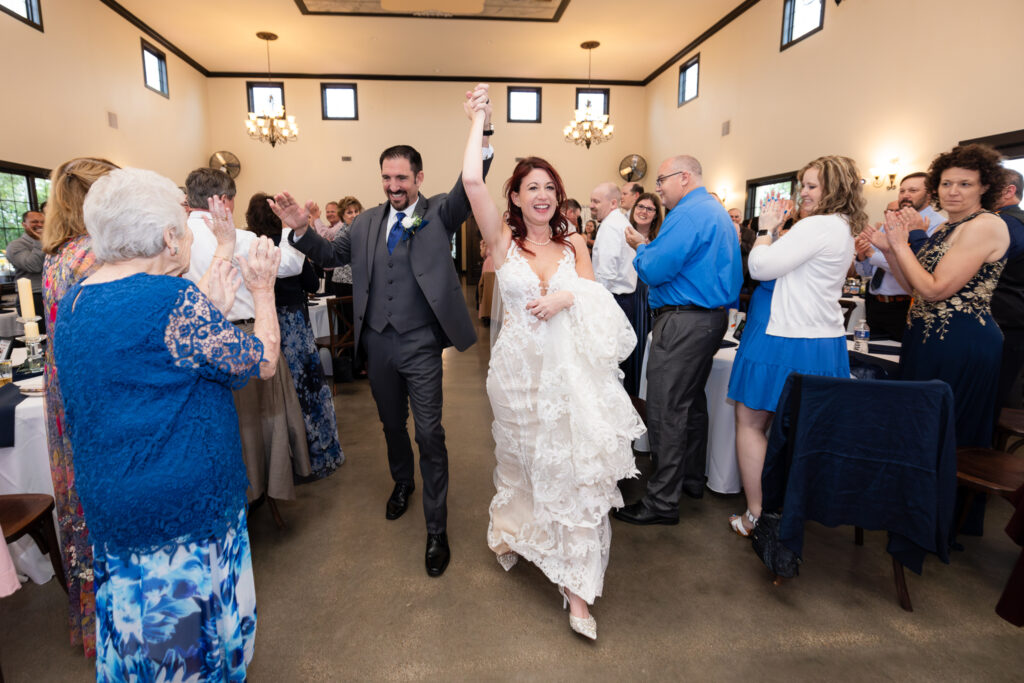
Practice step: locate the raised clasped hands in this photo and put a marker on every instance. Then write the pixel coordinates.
(898, 225)
(478, 100)
(260, 270)
(549, 305)
(292, 213)
(222, 284)
(220, 222)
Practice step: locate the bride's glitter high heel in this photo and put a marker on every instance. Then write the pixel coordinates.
(508, 560)
(585, 626)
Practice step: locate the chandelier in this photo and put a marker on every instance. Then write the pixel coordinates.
(588, 127)
(272, 124)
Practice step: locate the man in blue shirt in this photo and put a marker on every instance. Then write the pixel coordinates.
(694, 273)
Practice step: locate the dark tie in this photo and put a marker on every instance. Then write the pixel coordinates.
(396, 232)
(876, 280)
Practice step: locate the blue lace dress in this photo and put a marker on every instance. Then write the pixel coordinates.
(160, 475)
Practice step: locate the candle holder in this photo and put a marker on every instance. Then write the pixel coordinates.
(33, 345)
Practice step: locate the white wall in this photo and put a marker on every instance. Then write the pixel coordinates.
(882, 80)
(60, 84)
(427, 116)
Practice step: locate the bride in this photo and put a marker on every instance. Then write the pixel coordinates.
(562, 422)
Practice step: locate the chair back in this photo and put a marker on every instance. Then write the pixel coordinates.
(343, 333)
(848, 308)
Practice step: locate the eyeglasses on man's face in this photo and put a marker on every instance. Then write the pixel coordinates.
(662, 178)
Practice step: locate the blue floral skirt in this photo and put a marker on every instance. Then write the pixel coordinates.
(186, 612)
(299, 348)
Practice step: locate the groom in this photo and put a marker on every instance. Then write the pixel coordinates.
(408, 306)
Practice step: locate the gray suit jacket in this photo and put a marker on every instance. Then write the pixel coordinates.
(429, 254)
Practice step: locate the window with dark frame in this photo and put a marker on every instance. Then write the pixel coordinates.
(26, 11)
(689, 81)
(598, 98)
(339, 101)
(758, 189)
(154, 69)
(523, 104)
(800, 19)
(261, 93)
(22, 188)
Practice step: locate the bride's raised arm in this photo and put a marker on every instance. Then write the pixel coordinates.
(484, 210)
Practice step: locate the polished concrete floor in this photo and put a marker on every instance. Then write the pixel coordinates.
(343, 595)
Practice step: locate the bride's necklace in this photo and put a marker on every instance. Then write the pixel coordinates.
(539, 244)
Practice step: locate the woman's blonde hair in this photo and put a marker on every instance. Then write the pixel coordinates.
(841, 189)
(69, 184)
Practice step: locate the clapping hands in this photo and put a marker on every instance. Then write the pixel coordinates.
(220, 222)
(222, 284)
(260, 270)
(774, 210)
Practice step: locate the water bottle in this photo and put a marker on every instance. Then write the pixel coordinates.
(861, 336)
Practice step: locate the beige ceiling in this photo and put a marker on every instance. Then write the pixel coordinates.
(636, 38)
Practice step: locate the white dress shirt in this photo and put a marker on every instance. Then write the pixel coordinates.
(613, 257)
(890, 286)
(204, 244)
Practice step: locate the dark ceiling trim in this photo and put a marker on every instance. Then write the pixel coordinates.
(145, 28)
(174, 49)
(411, 15)
(719, 25)
(439, 79)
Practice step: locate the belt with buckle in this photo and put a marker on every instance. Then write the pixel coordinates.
(688, 307)
(246, 321)
(891, 299)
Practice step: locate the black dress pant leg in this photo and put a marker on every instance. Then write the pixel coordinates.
(682, 351)
(382, 351)
(421, 368)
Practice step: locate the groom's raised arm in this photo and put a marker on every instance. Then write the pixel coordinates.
(321, 252)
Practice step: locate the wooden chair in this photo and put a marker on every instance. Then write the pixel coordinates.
(986, 470)
(1010, 424)
(848, 308)
(32, 514)
(342, 333)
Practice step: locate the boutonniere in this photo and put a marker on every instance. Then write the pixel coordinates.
(411, 224)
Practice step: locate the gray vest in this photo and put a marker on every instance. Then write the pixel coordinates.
(395, 296)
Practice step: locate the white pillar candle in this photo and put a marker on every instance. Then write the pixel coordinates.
(31, 330)
(28, 306)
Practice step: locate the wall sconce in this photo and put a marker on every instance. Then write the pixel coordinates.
(879, 178)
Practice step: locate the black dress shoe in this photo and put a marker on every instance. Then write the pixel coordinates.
(637, 513)
(398, 503)
(438, 554)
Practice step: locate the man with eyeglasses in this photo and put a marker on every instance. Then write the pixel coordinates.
(693, 271)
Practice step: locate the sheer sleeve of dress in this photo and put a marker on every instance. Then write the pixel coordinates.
(201, 339)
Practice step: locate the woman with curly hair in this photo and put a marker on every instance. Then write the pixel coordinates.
(796, 323)
(951, 334)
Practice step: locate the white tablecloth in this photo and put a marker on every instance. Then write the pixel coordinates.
(321, 324)
(25, 468)
(722, 469)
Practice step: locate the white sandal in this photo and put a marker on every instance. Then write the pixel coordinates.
(508, 560)
(736, 522)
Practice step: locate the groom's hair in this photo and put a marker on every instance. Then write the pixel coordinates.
(403, 152)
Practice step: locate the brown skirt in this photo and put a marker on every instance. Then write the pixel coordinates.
(273, 433)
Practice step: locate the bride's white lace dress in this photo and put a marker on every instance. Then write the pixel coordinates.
(563, 425)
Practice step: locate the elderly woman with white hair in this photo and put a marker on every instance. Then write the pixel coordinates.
(154, 432)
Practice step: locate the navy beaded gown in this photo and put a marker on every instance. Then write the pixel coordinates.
(957, 341)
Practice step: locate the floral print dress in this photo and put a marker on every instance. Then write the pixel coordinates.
(72, 263)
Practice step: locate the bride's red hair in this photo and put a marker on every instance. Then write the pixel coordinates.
(514, 215)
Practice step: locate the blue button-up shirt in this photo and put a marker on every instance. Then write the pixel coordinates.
(695, 259)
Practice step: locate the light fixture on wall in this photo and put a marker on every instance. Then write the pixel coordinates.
(587, 127)
(272, 125)
(880, 178)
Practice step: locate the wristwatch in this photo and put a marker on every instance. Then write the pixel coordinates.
(763, 233)
(490, 130)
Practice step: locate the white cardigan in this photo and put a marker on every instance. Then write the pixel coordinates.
(810, 263)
